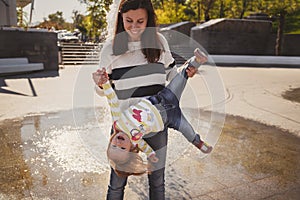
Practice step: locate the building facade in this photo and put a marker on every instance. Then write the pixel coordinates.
(8, 11)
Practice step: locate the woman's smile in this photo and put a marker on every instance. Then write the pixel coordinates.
(135, 22)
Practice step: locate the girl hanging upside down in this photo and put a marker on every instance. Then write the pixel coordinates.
(149, 115)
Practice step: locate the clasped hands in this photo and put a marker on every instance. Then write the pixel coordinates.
(100, 77)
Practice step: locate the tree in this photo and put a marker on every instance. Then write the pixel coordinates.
(237, 9)
(292, 24)
(241, 7)
(79, 22)
(202, 6)
(56, 21)
(157, 4)
(189, 12)
(280, 9)
(57, 18)
(207, 5)
(171, 12)
(22, 17)
(96, 18)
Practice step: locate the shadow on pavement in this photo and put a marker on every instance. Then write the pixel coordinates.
(29, 77)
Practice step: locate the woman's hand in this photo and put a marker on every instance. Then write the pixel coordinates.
(100, 77)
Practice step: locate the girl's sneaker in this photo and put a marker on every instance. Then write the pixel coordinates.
(197, 60)
(204, 147)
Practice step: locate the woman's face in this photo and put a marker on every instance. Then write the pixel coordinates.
(135, 22)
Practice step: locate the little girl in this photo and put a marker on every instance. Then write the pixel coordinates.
(147, 116)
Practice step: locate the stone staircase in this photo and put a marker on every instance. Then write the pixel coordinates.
(88, 54)
(79, 53)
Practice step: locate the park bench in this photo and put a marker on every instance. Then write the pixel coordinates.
(18, 65)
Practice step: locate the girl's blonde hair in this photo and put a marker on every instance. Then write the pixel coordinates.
(134, 165)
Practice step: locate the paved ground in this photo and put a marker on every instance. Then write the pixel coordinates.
(54, 133)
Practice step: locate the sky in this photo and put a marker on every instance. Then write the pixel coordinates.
(42, 8)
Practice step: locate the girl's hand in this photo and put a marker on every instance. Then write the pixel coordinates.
(100, 77)
(191, 71)
(153, 158)
(200, 58)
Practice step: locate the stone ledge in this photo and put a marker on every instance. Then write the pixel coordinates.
(234, 60)
(16, 65)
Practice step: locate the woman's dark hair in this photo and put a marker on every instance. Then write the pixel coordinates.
(151, 46)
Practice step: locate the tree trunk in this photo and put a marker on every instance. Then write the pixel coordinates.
(206, 15)
(198, 12)
(279, 39)
(244, 8)
(176, 11)
(222, 11)
(209, 4)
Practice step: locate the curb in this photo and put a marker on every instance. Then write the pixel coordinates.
(271, 61)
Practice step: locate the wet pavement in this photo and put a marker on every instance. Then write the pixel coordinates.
(45, 157)
(58, 152)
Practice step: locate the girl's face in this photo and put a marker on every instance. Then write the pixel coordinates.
(119, 147)
(135, 22)
(121, 141)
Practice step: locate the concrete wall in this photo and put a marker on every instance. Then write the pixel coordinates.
(8, 13)
(291, 44)
(234, 36)
(242, 37)
(38, 47)
(178, 33)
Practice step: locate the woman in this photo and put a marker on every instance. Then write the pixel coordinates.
(139, 62)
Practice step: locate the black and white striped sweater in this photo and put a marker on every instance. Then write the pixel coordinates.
(132, 76)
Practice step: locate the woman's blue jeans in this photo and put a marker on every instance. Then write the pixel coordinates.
(157, 178)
